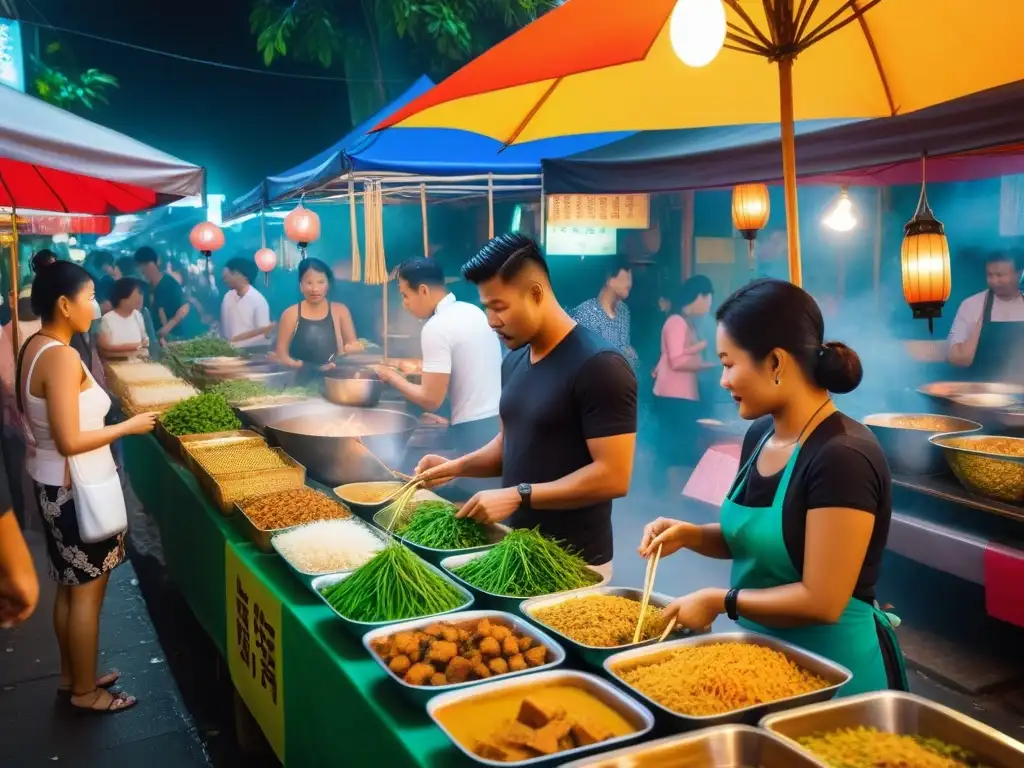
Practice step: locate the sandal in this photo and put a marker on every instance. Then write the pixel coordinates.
(108, 680)
(119, 702)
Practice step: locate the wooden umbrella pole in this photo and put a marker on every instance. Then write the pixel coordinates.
(15, 331)
(423, 217)
(789, 168)
(490, 206)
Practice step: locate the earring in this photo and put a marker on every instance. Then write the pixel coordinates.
(777, 382)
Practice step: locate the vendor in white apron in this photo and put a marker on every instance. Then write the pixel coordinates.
(807, 518)
(987, 336)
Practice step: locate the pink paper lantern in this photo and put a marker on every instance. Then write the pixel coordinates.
(206, 237)
(266, 259)
(302, 226)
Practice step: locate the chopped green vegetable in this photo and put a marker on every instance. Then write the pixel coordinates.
(527, 564)
(433, 524)
(393, 586)
(208, 412)
(238, 391)
(204, 346)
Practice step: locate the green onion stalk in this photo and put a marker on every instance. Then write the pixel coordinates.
(433, 524)
(527, 564)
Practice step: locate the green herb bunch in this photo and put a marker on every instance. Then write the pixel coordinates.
(208, 412)
(527, 564)
(204, 346)
(393, 586)
(238, 391)
(433, 524)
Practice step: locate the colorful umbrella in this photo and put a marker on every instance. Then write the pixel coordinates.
(609, 65)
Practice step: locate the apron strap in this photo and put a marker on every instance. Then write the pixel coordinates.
(741, 476)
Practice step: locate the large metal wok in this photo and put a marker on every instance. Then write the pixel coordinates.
(996, 405)
(336, 444)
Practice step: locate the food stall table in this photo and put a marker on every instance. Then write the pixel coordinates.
(331, 698)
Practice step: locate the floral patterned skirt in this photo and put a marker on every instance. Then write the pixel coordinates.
(72, 561)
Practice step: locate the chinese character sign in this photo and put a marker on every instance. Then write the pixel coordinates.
(254, 647)
(12, 64)
(600, 211)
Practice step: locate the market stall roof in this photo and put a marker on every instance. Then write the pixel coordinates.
(52, 160)
(413, 156)
(977, 136)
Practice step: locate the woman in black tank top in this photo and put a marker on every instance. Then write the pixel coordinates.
(313, 330)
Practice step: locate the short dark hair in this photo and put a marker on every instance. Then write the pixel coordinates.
(504, 256)
(123, 289)
(417, 272)
(309, 263)
(692, 289)
(615, 265)
(127, 266)
(146, 255)
(244, 267)
(1012, 255)
(101, 259)
(772, 314)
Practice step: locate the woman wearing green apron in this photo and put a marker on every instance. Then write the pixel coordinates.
(807, 518)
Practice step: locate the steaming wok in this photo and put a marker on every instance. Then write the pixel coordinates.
(904, 438)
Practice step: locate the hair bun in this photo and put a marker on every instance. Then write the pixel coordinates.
(838, 368)
(42, 260)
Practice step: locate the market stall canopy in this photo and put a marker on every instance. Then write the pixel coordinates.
(977, 136)
(52, 160)
(425, 153)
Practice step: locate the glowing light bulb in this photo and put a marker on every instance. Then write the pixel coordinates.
(841, 218)
(697, 31)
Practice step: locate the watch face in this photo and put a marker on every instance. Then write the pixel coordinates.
(525, 489)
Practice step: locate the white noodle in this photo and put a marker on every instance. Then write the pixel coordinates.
(328, 546)
(161, 394)
(141, 373)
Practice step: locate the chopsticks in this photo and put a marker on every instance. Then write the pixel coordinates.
(669, 628)
(399, 501)
(652, 569)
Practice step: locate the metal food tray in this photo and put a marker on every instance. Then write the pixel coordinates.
(264, 539)
(421, 694)
(902, 713)
(306, 577)
(833, 673)
(591, 654)
(727, 746)
(359, 628)
(634, 712)
(494, 534)
(364, 509)
(188, 443)
(293, 475)
(507, 603)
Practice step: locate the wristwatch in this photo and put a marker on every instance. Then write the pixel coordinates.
(731, 609)
(525, 491)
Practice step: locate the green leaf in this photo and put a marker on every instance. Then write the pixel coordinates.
(53, 47)
(268, 55)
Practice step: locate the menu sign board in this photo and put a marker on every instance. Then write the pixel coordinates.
(612, 211)
(12, 62)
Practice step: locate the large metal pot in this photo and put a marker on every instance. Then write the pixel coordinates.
(904, 439)
(336, 444)
(362, 390)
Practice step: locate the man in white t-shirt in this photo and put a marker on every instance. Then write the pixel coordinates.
(988, 331)
(461, 357)
(244, 312)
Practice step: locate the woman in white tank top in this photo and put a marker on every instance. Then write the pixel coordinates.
(64, 410)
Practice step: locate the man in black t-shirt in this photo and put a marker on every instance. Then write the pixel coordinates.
(568, 411)
(166, 301)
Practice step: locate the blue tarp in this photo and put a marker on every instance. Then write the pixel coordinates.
(414, 151)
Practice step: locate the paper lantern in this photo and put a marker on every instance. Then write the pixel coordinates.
(206, 237)
(751, 207)
(266, 260)
(927, 278)
(302, 226)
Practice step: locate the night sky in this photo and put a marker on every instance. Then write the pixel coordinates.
(241, 126)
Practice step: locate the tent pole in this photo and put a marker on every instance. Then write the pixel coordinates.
(423, 216)
(490, 206)
(543, 211)
(877, 263)
(15, 331)
(789, 168)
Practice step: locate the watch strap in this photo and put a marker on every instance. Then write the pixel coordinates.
(731, 608)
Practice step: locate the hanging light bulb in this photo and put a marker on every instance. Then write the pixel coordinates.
(697, 31)
(927, 281)
(842, 217)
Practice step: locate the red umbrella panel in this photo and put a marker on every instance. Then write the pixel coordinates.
(29, 186)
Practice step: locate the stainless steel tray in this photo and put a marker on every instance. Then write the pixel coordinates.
(494, 533)
(591, 654)
(637, 715)
(188, 443)
(903, 713)
(421, 694)
(359, 628)
(727, 746)
(264, 539)
(305, 576)
(505, 603)
(833, 673)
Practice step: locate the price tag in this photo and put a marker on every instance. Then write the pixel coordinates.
(254, 647)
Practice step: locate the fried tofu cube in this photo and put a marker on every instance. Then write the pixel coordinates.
(416, 656)
(406, 643)
(537, 714)
(499, 632)
(481, 671)
(400, 665)
(441, 652)
(489, 647)
(438, 678)
(509, 646)
(433, 630)
(536, 655)
(475, 656)
(464, 635)
(545, 740)
(512, 733)
(586, 732)
(449, 634)
(419, 674)
(517, 663)
(384, 648)
(483, 629)
(459, 670)
(525, 643)
(498, 666)
(491, 751)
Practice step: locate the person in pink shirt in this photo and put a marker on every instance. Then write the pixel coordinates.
(677, 403)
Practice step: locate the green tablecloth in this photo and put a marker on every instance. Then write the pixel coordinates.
(338, 705)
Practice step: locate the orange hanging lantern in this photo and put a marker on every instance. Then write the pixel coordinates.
(266, 260)
(751, 207)
(302, 226)
(927, 278)
(206, 237)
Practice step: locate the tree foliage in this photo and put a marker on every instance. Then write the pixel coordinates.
(52, 83)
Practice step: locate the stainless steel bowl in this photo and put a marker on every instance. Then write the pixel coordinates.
(904, 439)
(989, 465)
(635, 713)
(835, 675)
(494, 534)
(354, 392)
(903, 713)
(727, 746)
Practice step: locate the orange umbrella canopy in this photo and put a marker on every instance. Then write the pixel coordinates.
(609, 65)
